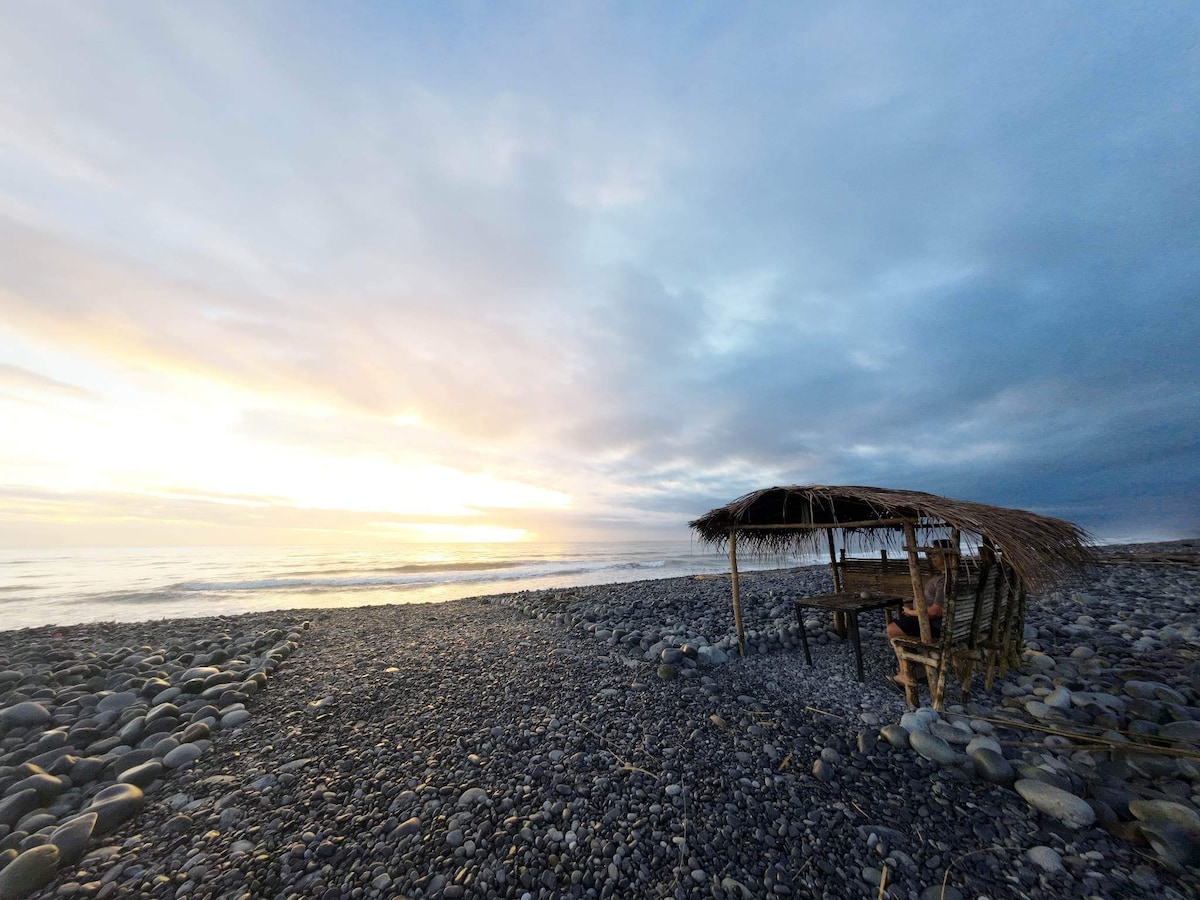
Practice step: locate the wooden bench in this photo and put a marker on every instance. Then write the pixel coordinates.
(876, 576)
(882, 576)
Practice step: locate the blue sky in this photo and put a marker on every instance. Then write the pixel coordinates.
(323, 272)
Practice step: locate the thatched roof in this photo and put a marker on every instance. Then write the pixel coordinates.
(775, 519)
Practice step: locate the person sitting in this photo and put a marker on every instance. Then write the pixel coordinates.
(908, 623)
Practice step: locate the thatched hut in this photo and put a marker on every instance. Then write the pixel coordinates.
(1035, 550)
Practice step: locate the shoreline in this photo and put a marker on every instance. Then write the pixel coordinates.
(524, 744)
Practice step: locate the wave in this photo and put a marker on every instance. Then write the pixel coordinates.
(408, 577)
(411, 568)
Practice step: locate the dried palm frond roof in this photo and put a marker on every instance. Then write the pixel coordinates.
(775, 519)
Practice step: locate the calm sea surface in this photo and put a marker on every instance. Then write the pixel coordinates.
(64, 587)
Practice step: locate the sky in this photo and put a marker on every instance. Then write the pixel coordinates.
(337, 273)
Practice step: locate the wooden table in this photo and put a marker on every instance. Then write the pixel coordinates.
(852, 605)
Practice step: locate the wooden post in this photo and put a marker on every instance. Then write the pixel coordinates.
(883, 563)
(833, 567)
(737, 606)
(914, 570)
(839, 619)
(951, 565)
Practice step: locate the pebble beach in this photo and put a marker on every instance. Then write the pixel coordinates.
(602, 741)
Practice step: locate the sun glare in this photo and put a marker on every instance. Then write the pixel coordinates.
(191, 450)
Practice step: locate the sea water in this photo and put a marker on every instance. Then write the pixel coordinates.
(64, 587)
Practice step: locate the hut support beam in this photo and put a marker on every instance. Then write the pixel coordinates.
(833, 567)
(737, 606)
(839, 619)
(914, 569)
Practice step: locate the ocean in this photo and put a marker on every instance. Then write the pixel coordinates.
(66, 587)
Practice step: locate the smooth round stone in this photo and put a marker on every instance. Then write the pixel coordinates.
(142, 775)
(35, 822)
(1151, 812)
(1045, 858)
(200, 672)
(933, 748)
(822, 771)
(914, 721)
(87, 769)
(867, 741)
(15, 807)
(166, 696)
(1176, 844)
(1152, 711)
(667, 673)
(1037, 773)
(473, 797)
(72, 837)
(131, 732)
(1072, 811)
(992, 767)
(1059, 698)
(1152, 766)
(163, 746)
(982, 741)
(47, 786)
(1037, 709)
(116, 702)
(951, 734)
(713, 656)
(24, 714)
(1173, 829)
(197, 731)
(896, 735)
(52, 740)
(1186, 732)
(33, 869)
(406, 828)
(183, 755)
(936, 892)
(672, 656)
(165, 709)
(235, 718)
(114, 805)
(1153, 690)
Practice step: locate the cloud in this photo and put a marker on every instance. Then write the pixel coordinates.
(653, 265)
(24, 382)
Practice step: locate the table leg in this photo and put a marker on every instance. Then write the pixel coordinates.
(858, 661)
(803, 635)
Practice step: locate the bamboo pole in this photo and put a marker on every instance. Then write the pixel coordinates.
(839, 619)
(866, 523)
(914, 570)
(737, 606)
(833, 566)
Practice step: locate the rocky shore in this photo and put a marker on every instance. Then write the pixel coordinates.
(601, 742)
